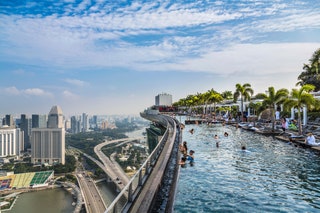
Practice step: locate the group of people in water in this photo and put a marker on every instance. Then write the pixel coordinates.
(185, 155)
(189, 156)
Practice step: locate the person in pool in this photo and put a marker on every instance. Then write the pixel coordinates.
(190, 157)
(182, 161)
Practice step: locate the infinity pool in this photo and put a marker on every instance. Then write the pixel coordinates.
(272, 176)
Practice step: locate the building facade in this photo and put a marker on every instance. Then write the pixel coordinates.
(11, 141)
(25, 126)
(48, 144)
(163, 99)
(39, 121)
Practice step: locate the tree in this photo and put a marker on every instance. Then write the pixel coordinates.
(244, 92)
(300, 98)
(311, 73)
(227, 95)
(272, 99)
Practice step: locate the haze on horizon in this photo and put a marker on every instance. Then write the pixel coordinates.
(114, 57)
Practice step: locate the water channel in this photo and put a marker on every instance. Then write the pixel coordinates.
(271, 176)
(49, 201)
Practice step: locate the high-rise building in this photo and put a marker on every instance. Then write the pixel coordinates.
(48, 144)
(55, 118)
(11, 141)
(25, 126)
(8, 120)
(85, 123)
(163, 99)
(94, 121)
(39, 121)
(75, 125)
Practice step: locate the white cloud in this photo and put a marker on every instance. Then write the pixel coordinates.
(28, 92)
(36, 92)
(261, 59)
(76, 82)
(69, 95)
(12, 91)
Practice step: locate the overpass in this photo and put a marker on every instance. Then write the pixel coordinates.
(153, 186)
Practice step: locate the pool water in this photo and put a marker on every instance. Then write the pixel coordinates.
(271, 176)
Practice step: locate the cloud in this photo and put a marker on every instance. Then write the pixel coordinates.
(76, 82)
(12, 91)
(28, 92)
(36, 92)
(69, 95)
(133, 35)
(258, 59)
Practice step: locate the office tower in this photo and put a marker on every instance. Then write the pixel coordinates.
(55, 118)
(163, 99)
(67, 124)
(75, 125)
(85, 122)
(94, 122)
(11, 141)
(48, 144)
(9, 121)
(26, 128)
(39, 121)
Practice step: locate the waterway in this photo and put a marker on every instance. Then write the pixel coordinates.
(49, 201)
(108, 191)
(271, 176)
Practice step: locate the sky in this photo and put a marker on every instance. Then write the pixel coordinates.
(114, 57)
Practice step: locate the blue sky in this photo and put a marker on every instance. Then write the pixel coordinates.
(114, 57)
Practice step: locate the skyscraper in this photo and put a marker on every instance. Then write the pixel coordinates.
(85, 122)
(26, 128)
(9, 120)
(39, 121)
(55, 118)
(48, 144)
(75, 125)
(163, 99)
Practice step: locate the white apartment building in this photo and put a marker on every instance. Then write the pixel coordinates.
(11, 141)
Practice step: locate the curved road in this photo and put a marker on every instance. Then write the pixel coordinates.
(112, 168)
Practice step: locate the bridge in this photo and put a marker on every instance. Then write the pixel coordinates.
(153, 186)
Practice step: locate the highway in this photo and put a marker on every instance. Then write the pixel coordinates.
(113, 169)
(92, 198)
(94, 202)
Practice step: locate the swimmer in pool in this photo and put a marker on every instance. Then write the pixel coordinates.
(190, 157)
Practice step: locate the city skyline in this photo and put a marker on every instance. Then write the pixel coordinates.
(106, 58)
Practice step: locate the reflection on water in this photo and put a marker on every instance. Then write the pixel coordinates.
(272, 176)
(49, 201)
(107, 191)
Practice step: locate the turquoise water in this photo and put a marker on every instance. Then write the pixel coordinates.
(272, 176)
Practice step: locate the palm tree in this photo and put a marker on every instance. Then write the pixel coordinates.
(227, 95)
(311, 73)
(272, 99)
(244, 92)
(215, 98)
(300, 98)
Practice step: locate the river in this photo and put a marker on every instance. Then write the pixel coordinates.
(48, 201)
